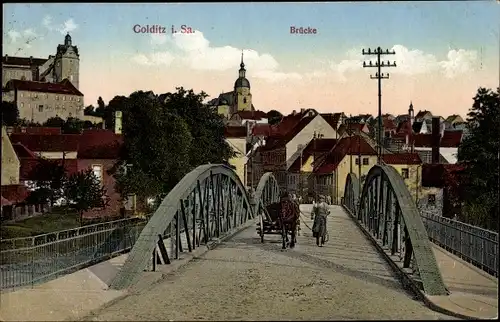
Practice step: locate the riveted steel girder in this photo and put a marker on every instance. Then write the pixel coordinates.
(387, 210)
(207, 203)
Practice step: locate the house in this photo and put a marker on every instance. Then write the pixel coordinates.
(351, 126)
(236, 137)
(349, 154)
(420, 127)
(439, 186)
(423, 115)
(299, 173)
(448, 145)
(49, 146)
(390, 126)
(455, 118)
(13, 192)
(409, 166)
(289, 137)
(98, 150)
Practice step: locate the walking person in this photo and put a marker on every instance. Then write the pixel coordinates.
(319, 230)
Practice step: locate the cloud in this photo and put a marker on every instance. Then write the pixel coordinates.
(159, 58)
(194, 50)
(409, 62)
(64, 28)
(13, 35)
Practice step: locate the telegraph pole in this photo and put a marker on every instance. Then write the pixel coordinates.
(379, 76)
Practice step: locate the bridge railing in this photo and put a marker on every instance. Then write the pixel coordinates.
(474, 244)
(85, 246)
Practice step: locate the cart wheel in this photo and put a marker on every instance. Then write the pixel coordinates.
(261, 230)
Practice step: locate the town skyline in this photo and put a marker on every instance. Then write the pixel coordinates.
(444, 51)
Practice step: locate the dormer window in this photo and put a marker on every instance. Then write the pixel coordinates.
(244, 100)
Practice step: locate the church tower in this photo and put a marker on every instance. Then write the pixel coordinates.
(243, 97)
(67, 63)
(411, 113)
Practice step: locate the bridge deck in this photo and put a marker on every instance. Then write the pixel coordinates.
(243, 279)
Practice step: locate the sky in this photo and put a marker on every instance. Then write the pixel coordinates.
(444, 51)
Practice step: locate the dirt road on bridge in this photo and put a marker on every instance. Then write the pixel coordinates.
(243, 279)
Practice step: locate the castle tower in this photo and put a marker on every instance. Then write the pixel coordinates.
(243, 97)
(67, 63)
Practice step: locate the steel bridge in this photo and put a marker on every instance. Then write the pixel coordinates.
(378, 259)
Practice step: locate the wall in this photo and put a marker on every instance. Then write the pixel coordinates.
(223, 110)
(344, 168)
(414, 181)
(93, 119)
(10, 162)
(239, 161)
(425, 206)
(450, 154)
(243, 93)
(318, 125)
(115, 202)
(57, 155)
(52, 104)
(10, 72)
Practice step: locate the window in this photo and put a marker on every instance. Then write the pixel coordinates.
(357, 161)
(97, 169)
(244, 100)
(57, 97)
(23, 78)
(431, 199)
(78, 99)
(366, 161)
(405, 173)
(22, 104)
(40, 108)
(64, 98)
(22, 94)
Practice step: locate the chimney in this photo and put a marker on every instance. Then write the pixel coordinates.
(436, 139)
(302, 110)
(6, 57)
(294, 112)
(118, 122)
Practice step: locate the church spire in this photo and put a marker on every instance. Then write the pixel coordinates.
(242, 66)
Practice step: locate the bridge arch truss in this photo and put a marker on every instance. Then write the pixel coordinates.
(386, 209)
(206, 204)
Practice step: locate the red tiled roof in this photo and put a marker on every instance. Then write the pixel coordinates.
(451, 139)
(5, 202)
(99, 144)
(332, 119)
(261, 130)
(252, 115)
(402, 158)
(388, 124)
(26, 172)
(345, 146)
(22, 151)
(320, 146)
(64, 87)
(47, 143)
(404, 127)
(235, 131)
(15, 193)
(422, 140)
(37, 130)
(23, 61)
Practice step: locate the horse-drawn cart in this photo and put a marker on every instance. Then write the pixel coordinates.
(270, 223)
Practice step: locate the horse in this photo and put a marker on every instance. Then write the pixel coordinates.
(287, 214)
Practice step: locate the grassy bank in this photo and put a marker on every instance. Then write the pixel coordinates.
(58, 219)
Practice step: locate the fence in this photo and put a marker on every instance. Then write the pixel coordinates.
(51, 255)
(22, 242)
(476, 245)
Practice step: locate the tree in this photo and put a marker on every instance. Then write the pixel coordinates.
(73, 126)
(10, 113)
(156, 148)
(118, 103)
(54, 122)
(205, 125)
(50, 177)
(89, 110)
(274, 117)
(101, 106)
(84, 191)
(479, 153)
